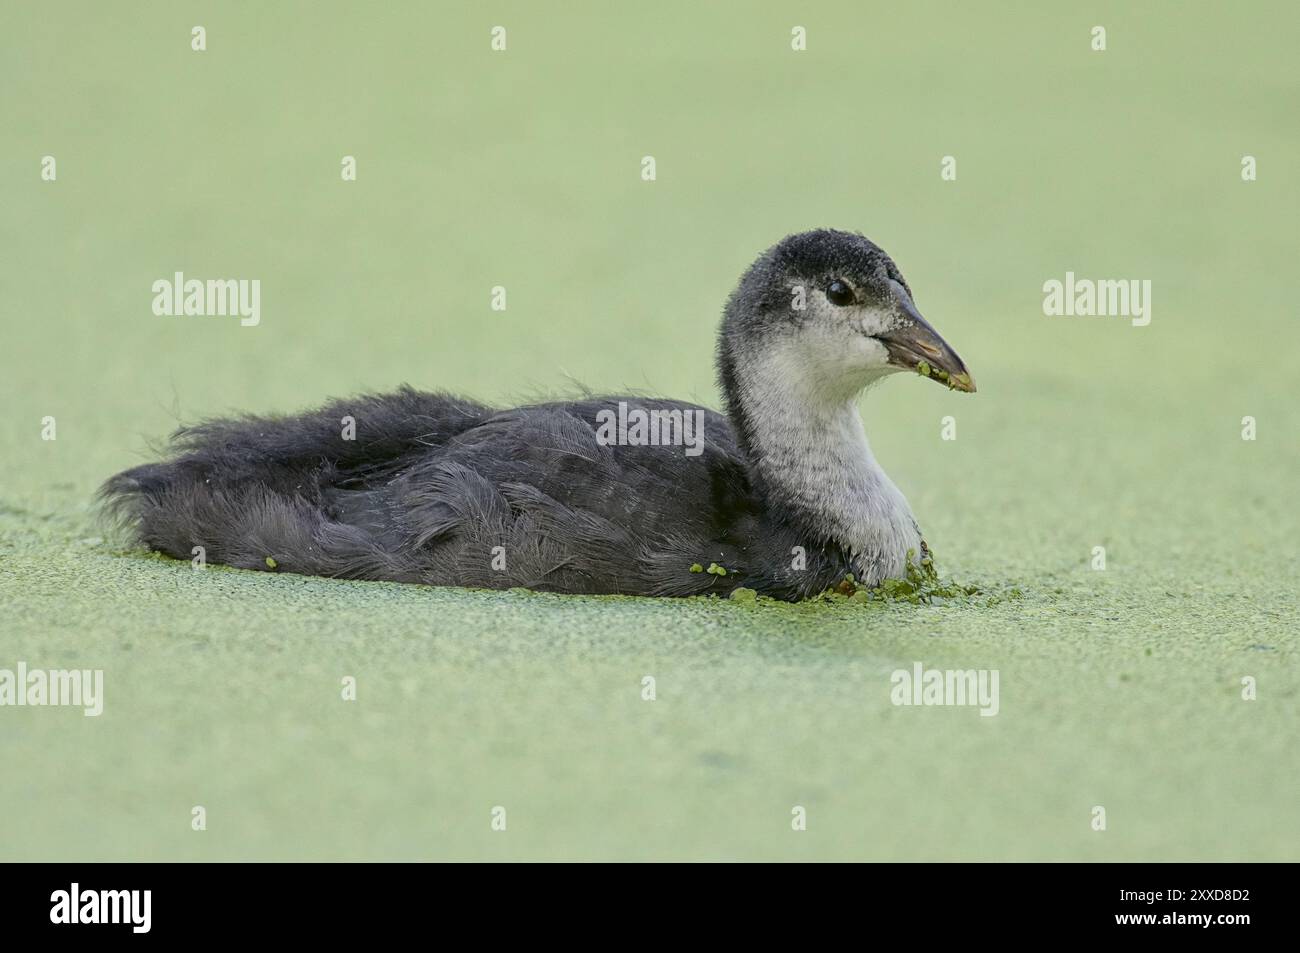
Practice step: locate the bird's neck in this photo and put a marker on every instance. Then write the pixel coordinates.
(809, 454)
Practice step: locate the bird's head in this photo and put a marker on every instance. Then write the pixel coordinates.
(832, 312)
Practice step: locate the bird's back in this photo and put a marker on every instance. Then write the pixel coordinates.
(595, 495)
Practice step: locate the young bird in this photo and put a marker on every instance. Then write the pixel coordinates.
(784, 496)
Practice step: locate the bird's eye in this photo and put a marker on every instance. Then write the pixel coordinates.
(839, 293)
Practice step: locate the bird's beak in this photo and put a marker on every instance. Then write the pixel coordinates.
(915, 346)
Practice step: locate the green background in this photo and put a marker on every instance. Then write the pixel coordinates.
(1118, 688)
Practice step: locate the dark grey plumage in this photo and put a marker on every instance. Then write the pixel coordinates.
(432, 484)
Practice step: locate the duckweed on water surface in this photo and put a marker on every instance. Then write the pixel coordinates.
(222, 687)
(921, 585)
